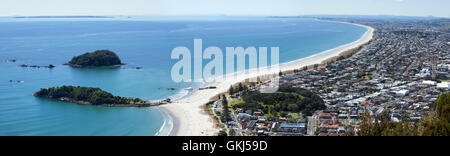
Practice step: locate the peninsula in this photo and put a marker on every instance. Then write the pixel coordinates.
(90, 96)
(99, 58)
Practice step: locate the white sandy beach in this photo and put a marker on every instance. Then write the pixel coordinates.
(191, 121)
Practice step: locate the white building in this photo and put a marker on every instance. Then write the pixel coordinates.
(443, 85)
(402, 92)
(424, 73)
(431, 83)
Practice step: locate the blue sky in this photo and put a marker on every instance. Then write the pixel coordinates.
(438, 8)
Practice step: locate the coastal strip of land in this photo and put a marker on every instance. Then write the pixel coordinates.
(192, 119)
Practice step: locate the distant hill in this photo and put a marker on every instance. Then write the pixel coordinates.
(99, 58)
(367, 17)
(63, 17)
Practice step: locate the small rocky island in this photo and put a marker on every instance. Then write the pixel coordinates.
(99, 58)
(91, 96)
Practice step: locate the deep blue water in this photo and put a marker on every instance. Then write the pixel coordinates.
(143, 43)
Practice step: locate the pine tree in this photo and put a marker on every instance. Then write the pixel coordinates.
(226, 111)
(231, 90)
(241, 87)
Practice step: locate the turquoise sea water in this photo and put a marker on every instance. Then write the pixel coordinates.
(143, 42)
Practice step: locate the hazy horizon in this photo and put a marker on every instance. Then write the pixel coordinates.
(419, 8)
(215, 15)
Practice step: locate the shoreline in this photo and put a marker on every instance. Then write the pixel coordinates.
(170, 124)
(188, 115)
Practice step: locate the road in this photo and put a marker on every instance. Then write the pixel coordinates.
(311, 129)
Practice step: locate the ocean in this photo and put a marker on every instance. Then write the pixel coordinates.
(145, 42)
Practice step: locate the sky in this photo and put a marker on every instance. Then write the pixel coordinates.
(438, 8)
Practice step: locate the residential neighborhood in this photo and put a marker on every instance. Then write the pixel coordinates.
(402, 72)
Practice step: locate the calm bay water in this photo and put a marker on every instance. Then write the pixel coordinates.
(145, 42)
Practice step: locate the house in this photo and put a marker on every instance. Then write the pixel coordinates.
(262, 133)
(431, 83)
(333, 134)
(244, 116)
(301, 121)
(257, 113)
(443, 85)
(402, 93)
(343, 116)
(261, 120)
(325, 116)
(341, 130)
(293, 127)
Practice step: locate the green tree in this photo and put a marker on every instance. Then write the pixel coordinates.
(222, 133)
(95, 59)
(438, 123)
(231, 90)
(316, 66)
(241, 87)
(435, 124)
(226, 111)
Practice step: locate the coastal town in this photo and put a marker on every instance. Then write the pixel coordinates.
(401, 72)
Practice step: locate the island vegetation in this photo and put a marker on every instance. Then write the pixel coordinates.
(89, 96)
(99, 58)
(287, 99)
